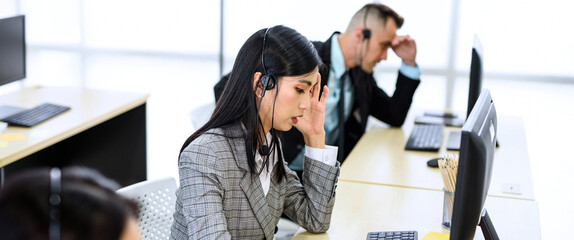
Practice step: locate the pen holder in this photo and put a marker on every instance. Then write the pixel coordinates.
(447, 209)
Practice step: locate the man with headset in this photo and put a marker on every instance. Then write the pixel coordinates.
(349, 60)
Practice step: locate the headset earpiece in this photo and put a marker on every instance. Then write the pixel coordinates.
(366, 33)
(267, 83)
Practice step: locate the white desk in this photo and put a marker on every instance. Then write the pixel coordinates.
(103, 129)
(380, 158)
(361, 208)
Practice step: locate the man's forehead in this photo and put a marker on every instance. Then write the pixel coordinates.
(389, 32)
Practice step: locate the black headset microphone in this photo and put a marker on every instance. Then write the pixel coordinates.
(267, 82)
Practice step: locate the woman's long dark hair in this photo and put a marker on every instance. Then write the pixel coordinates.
(286, 53)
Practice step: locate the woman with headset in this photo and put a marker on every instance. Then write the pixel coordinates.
(234, 182)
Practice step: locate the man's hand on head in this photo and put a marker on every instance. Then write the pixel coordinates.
(406, 48)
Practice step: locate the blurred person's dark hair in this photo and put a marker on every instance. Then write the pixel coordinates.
(88, 206)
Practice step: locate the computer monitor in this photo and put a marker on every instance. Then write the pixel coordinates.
(474, 89)
(12, 49)
(475, 78)
(478, 142)
(12, 56)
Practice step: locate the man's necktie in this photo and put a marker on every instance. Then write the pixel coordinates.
(341, 107)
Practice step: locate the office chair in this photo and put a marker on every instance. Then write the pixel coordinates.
(200, 115)
(156, 201)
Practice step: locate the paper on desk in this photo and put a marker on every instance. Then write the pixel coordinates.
(11, 137)
(436, 236)
(3, 144)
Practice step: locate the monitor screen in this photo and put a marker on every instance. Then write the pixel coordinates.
(474, 89)
(477, 147)
(12, 49)
(475, 78)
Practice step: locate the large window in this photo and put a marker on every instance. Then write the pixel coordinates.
(532, 40)
(520, 37)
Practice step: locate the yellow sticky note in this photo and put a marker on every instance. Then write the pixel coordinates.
(11, 137)
(436, 236)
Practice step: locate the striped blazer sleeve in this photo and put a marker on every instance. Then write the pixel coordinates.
(311, 204)
(199, 212)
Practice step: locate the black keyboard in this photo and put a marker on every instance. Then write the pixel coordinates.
(36, 115)
(410, 235)
(425, 137)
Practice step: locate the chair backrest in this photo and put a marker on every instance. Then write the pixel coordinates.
(200, 115)
(156, 200)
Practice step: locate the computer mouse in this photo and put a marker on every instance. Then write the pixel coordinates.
(434, 162)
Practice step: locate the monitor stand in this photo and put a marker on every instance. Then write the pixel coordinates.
(446, 117)
(453, 122)
(441, 114)
(487, 227)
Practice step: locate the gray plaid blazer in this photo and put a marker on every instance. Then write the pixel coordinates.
(219, 198)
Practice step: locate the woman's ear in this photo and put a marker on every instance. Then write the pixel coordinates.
(256, 86)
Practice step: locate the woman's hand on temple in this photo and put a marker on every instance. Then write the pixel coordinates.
(311, 125)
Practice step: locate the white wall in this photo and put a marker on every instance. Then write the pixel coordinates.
(519, 37)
